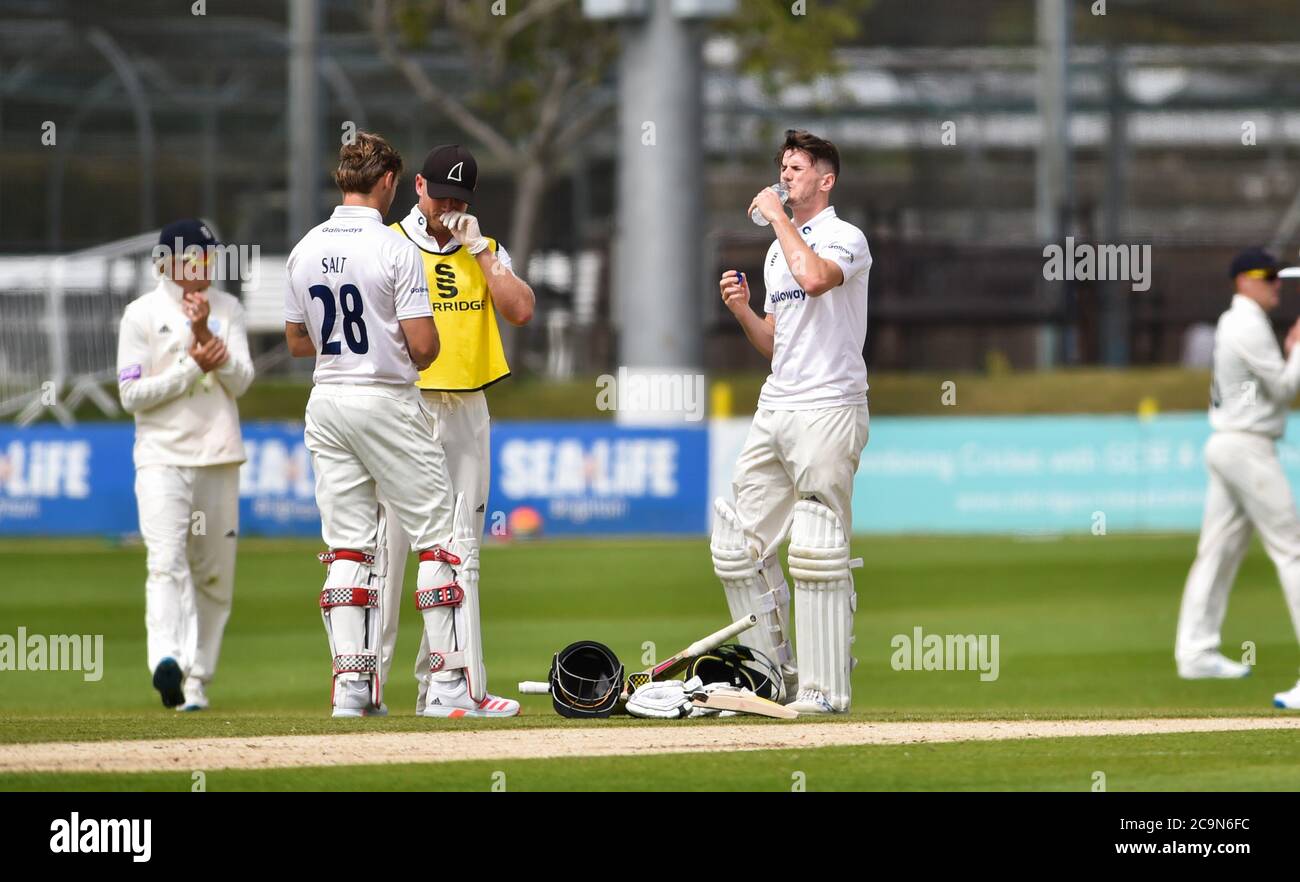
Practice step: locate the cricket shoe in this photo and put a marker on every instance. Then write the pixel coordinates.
(1289, 700)
(167, 680)
(812, 701)
(352, 699)
(196, 696)
(452, 700)
(1212, 666)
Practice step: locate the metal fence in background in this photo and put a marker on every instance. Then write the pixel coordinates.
(58, 326)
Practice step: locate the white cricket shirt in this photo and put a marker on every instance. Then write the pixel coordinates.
(817, 355)
(183, 417)
(351, 280)
(1252, 386)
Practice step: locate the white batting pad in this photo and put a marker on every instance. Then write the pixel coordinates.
(350, 609)
(453, 629)
(752, 588)
(824, 601)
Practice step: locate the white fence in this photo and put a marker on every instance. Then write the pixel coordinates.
(58, 326)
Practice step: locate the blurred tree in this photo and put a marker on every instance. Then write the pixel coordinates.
(537, 72)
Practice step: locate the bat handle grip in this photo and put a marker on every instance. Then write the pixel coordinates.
(534, 687)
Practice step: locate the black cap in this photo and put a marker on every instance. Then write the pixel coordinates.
(190, 232)
(450, 171)
(1253, 259)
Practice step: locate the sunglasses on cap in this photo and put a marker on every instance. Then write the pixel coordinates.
(1265, 274)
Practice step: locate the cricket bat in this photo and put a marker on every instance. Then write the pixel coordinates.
(669, 666)
(744, 701)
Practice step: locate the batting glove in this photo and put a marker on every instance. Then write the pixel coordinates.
(464, 227)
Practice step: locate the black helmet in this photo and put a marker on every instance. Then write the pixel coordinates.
(586, 680)
(739, 665)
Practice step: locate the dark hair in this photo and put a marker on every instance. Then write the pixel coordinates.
(819, 149)
(364, 161)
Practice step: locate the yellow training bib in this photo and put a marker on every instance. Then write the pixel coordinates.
(471, 356)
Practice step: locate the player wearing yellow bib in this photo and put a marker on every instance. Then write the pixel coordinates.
(470, 280)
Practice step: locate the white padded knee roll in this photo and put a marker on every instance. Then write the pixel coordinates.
(752, 588)
(824, 601)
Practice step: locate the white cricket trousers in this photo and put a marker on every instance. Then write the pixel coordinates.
(462, 426)
(1247, 486)
(372, 441)
(189, 518)
(793, 454)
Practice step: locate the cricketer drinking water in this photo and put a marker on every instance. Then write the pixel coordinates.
(795, 474)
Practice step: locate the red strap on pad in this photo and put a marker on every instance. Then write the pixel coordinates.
(450, 594)
(332, 597)
(439, 554)
(328, 557)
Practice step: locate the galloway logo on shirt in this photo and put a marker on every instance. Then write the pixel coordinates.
(835, 246)
(794, 294)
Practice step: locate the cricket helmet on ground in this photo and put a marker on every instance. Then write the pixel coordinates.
(586, 680)
(739, 665)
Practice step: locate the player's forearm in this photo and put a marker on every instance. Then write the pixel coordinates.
(1287, 381)
(146, 393)
(298, 340)
(236, 375)
(759, 332)
(1279, 379)
(511, 295)
(814, 274)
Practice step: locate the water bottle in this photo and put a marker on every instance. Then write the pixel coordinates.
(781, 190)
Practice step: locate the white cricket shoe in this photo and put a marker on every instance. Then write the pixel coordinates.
(452, 700)
(196, 696)
(352, 699)
(1212, 666)
(1289, 700)
(812, 701)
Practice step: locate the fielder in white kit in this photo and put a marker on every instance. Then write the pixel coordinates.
(182, 360)
(1251, 391)
(795, 474)
(359, 302)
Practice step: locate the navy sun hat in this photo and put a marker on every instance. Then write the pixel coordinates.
(188, 233)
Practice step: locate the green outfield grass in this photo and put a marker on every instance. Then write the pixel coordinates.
(1085, 628)
(1195, 762)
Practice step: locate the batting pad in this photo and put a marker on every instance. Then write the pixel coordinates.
(349, 608)
(824, 601)
(751, 587)
(448, 599)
